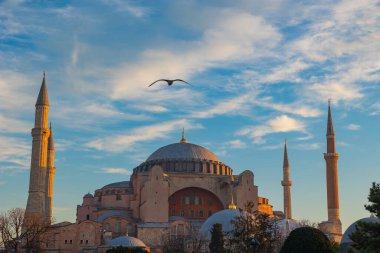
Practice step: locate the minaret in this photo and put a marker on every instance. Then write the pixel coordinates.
(333, 224)
(49, 183)
(40, 134)
(287, 183)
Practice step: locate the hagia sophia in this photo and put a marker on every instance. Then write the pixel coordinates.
(179, 187)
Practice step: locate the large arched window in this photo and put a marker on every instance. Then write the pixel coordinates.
(194, 203)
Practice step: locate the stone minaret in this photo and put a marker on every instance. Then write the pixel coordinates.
(333, 226)
(50, 172)
(36, 205)
(287, 183)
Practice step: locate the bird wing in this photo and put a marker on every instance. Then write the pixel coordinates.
(180, 80)
(158, 81)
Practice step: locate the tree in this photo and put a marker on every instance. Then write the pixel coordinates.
(17, 231)
(217, 239)
(121, 249)
(307, 239)
(374, 199)
(253, 231)
(366, 238)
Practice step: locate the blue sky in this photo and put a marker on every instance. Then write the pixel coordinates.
(261, 72)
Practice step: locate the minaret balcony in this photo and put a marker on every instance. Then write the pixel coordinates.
(286, 183)
(331, 154)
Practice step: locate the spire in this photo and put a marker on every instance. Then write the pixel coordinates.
(286, 160)
(330, 125)
(232, 204)
(51, 139)
(43, 98)
(183, 140)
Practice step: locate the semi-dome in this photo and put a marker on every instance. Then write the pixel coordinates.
(122, 184)
(126, 241)
(184, 151)
(224, 217)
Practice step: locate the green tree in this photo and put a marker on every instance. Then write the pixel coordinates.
(307, 239)
(217, 239)
(366, 238)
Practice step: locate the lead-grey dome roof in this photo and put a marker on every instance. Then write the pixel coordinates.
(223, 217)
(126, 241)
(185, 151)
(352, 228)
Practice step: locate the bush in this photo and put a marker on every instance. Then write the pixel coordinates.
(307, 239)
(121, 249)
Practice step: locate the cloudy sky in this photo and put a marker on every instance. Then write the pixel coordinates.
(261, 72)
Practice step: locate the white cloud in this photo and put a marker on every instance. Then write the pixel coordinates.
(336, 91)
(10, 125)
(280, 124)
(221, 44)
(127, 6)
(122, 142)
(353, 127)
(375, 109)
(120, 171)
(236, 105)
(153, 108)
(294, 108)
(236, 144)
(14, 154)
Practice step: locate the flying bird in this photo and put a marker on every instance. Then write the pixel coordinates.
(170, 82)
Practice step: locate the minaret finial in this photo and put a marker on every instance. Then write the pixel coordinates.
(232, 204)
(183, 140)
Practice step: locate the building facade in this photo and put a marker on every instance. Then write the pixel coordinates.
(173, 191)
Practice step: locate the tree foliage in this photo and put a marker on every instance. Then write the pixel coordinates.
(253, 231)
(217, 239)
(366, 238)
(374, 199)
(121, 249)
(307, 239)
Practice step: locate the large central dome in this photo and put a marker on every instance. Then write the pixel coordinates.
(185, 157)
(185, 151)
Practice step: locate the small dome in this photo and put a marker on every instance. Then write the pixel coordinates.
(88, 195)
(223, 217)
(122, 184)
(126, 241)
(352, 228)
(185, 151)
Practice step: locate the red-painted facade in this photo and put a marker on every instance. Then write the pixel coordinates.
(194, 203)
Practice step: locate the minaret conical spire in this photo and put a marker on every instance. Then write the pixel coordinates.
(330, 124)
(286, 159)
(43, 98)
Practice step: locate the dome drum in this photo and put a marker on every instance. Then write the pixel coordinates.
(183, 165)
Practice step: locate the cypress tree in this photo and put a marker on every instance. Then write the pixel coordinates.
(217, 239)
